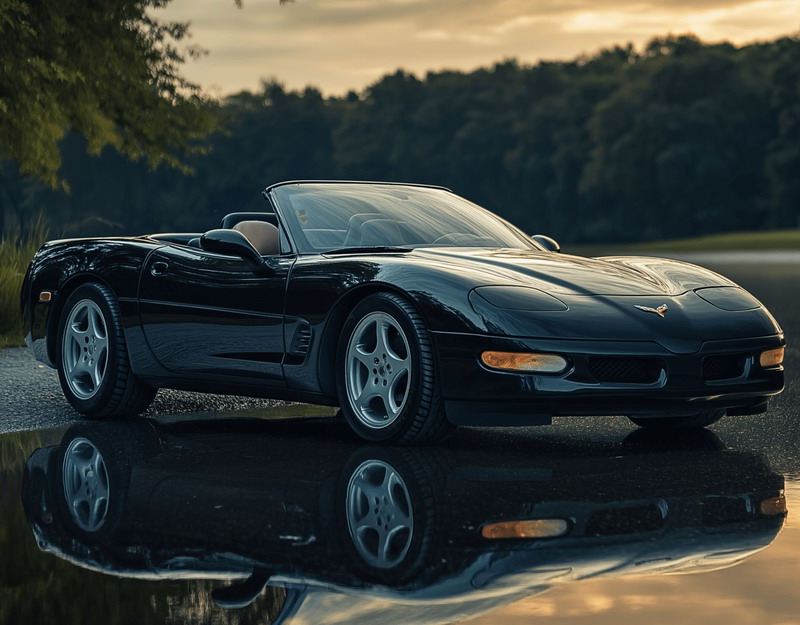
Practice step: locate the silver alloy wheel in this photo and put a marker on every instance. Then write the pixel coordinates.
(379, 514)
(86, 487)
(84, 354)
(378, 370)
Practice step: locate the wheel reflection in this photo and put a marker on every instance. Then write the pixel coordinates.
(379, 514)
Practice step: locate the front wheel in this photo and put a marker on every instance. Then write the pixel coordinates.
(92, 357)
(389, 507)
(386, 382)
(695, 421)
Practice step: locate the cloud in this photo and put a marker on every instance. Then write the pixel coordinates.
(342, 44)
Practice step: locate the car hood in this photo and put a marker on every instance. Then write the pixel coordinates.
(575, 275)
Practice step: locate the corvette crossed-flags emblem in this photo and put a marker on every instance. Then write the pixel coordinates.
(660, 311)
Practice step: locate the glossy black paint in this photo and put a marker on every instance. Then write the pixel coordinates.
(61, 266)
(232, 243)
(235, 501)
(209, 315)
(220, 320)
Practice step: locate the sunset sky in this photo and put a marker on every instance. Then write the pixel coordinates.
(338, 45)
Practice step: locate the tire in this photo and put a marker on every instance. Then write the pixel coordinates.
(695, 421)
(386, 381)
(91, 474)
(92, 357)
(388, 511)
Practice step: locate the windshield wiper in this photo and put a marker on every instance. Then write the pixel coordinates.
(377, 249)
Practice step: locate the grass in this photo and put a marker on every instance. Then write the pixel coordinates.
(15, 449)
(763, 240)
(16, 252)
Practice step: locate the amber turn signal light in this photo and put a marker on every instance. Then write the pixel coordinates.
(771, 358)
(774, 506)
(537, 528)
(45, 296)
(515, 361)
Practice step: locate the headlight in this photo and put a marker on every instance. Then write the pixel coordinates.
(518, 298)
(729, 298)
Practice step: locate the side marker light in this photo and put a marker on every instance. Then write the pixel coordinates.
(536, 528)
(516, 361)
(774, 506)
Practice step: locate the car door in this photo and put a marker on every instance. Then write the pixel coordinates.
(209, 315)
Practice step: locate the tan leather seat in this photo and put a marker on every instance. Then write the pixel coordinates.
(262, 235)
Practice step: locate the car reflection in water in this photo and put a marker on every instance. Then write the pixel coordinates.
(353, 533)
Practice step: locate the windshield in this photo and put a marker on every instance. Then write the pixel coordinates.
(333, 216)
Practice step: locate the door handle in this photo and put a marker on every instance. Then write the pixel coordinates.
(158, 269)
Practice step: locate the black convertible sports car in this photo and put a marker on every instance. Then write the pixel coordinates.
(408, 306)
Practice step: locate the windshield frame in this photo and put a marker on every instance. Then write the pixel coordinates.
(301, 245)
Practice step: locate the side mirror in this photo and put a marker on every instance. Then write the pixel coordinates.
(546, 242)
(234, 243)
(241, 594)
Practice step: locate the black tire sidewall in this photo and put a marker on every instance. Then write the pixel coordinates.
(382, 303)
(122, 445)
(118, 482)
(420, 477)
(95, 404)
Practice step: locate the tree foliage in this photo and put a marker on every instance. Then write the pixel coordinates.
(677, 138)
(106, 69)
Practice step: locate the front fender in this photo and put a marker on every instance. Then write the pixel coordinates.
(319, 286)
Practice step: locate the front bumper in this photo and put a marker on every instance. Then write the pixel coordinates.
(674, 384)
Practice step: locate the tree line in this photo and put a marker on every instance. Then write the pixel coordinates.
(678, 138)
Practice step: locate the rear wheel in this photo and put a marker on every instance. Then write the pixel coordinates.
(699, 420)
(386, 383)
(86, 485)
(91, 475)
(92, 357)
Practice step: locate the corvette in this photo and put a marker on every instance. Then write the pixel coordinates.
(409, 307)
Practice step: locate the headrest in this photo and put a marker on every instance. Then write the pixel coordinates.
(231, 219)
(353, 235)
(262, 236)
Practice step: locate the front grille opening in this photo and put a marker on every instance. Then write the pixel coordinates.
(625, 370)
(719, 511)
(619, 521)
(723, 367)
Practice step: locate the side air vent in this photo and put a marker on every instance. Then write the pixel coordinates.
(301, 340)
